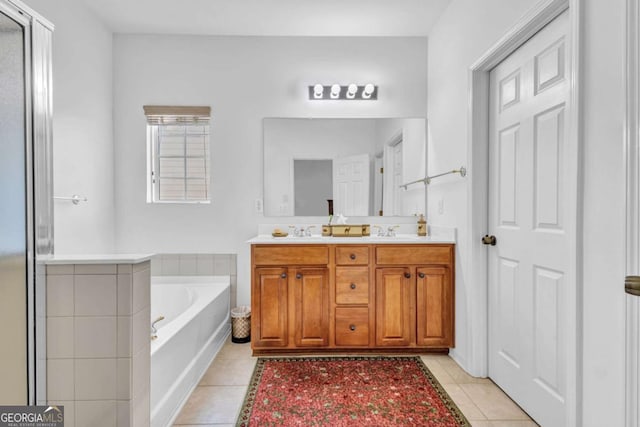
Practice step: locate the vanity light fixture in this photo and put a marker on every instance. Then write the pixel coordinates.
(352, 89)
(318, 91)
(352, 92)
(368, 91)
(335, 91)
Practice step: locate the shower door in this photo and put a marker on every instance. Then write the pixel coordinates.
(26, 209)
(16, 230)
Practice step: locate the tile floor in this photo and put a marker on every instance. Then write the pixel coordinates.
(217, 399)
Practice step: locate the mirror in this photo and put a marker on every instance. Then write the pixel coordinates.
(357, 165)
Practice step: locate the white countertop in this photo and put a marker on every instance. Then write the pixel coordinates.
(400, 238)
(97, 259)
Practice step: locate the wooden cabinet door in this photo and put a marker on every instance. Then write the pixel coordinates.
(269, 316)
(395, 313)
(434, 295)
(310, 288)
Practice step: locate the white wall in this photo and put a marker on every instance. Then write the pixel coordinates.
(243, 79)
(82, 127)
(466, 30)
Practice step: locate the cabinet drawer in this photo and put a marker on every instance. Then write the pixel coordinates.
(352, 255)
(352, 285)
(290, 255)
(352, 326)
(391, 255)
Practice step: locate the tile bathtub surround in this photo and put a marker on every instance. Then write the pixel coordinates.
(198, 265)
(218, 398)
(98, 345)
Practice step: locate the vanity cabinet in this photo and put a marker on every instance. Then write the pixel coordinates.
(290, 297)
(352, 297)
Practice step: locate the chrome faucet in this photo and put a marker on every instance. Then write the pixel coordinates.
(154, 330)
(391, 230)
(301, 231)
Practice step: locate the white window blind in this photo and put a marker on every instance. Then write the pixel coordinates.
(178, 145)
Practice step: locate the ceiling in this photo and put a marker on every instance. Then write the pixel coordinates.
(271, 17)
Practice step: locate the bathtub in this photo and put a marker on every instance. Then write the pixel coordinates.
(195, 326)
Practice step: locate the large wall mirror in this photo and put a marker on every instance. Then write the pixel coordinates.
(357, 164)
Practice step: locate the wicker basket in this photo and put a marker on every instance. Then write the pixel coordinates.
(241, 324)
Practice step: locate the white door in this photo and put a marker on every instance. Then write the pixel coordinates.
(393, 178)
(529, 213)
(351, 185)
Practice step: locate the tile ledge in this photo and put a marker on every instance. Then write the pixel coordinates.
(96, 259)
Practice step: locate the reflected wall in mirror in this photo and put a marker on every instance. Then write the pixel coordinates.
(360, 164)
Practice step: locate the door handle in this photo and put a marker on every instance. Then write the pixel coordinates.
(421, 275)
(353, 286)
(489, 240)
(298, 276)
(407, 275)
(283, 275)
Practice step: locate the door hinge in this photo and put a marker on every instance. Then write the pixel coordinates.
(381, 170)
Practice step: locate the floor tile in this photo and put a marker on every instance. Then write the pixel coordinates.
(493, 403)
(439, 371)
(212, 405)
(229, 372)
(464, 403)
(458, 374)
(231, 350)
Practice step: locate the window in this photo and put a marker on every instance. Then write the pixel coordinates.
(178, 154)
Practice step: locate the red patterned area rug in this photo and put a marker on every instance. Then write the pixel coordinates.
(346, 391)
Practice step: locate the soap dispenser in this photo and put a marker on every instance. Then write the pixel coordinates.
(422, 226)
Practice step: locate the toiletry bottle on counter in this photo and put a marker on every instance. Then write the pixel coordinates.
(422, 226)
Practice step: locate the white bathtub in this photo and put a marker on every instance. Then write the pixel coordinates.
(196, 324)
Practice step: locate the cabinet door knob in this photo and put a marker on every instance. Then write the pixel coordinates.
(283, 275)
(298, 276)
(353, 286)
(421, 275)
(407, 275)
(352, 256)
(352, 327)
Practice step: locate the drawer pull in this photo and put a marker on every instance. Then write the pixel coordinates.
(352, 256)
(298, 276)
(352, 327)
(407, 275)
(353, 286)
(421, 275)
(283, 275)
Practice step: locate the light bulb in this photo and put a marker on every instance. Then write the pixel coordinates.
(351, 91)
(318, 91)
(335, 91)
(368, 91)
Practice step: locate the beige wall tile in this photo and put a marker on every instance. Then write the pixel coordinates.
(69, 410)
(188, 265)
(124, 414)
(123, 382)
(96, 269)
(95, 337)
(141, 372)
(59, 269)
(204, 265)
(141, 291)
(125, 295)
(123, 340)
(60, 379)
(60, 295)
(95, 295)
(140, 330)
(95, 380)
(100, 413)
(60, 338)
(145, 265)
(170, 265)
